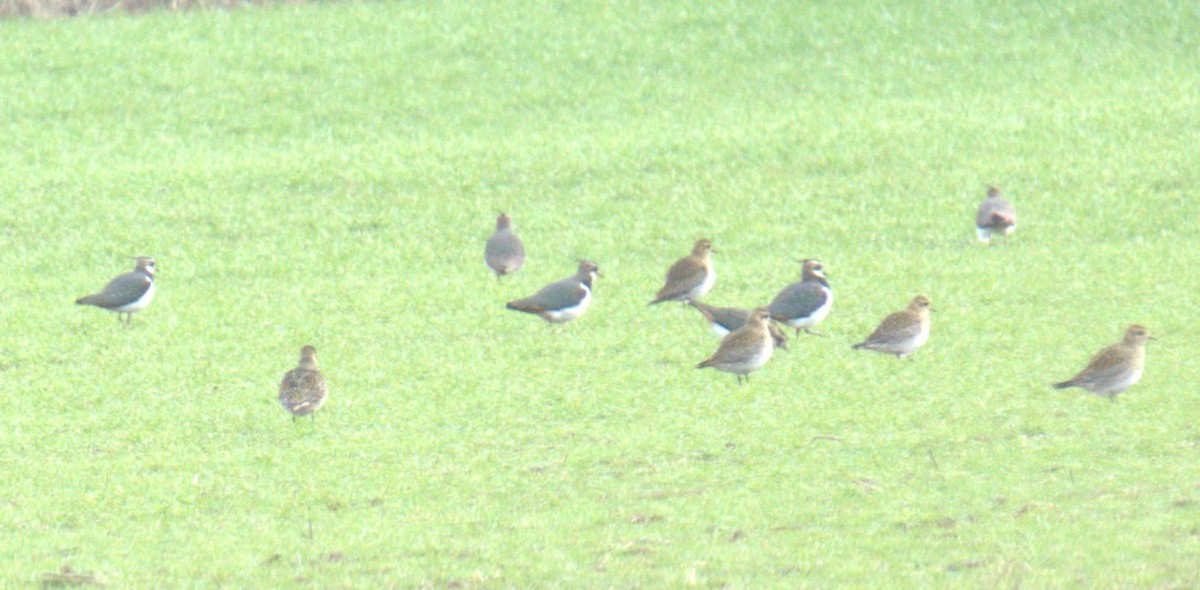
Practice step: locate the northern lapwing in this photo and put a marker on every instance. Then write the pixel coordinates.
(804, 304)
(128, 293)
(562, 301)
(723, 320)
(996, 216)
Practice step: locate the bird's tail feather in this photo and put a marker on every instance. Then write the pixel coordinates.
(1065, 384)
(525, 307)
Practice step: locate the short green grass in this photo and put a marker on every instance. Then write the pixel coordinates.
(328, 174)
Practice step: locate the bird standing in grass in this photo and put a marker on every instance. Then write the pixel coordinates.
(303, 391)
(744, 350)
(128, 293)
(903, 332)
(690, 277)
(1116, 368)
(562, 301)
(804, 304)
(505, 252)
(724, 320)
(996, 216)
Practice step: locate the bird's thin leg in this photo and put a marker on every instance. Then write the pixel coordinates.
(810, 332)
(293, 418)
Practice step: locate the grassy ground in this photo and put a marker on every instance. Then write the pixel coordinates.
(328, 175)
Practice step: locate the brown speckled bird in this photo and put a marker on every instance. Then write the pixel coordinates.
(744, 350)
(303, 391)
(1116, 368)
(903, 332)
(690, 277)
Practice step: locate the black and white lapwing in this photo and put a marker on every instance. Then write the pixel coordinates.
(746, 349)
(996, 216)
(302, 390)
(128, 293)
(562, 301)
(724, 320)
(903, 332)
(1116, 368)
(804, 304)
(690, 277)
(505, 252)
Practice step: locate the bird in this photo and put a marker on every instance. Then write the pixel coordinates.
(562, 301)
(128, 293)
(903, 332)
(724, 320)
(505, 252)
(691, 276)
(744, 350)
(996, 216)
(804, 304)
(302, 390)
(1116, 368)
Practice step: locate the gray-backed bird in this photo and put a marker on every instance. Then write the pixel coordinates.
(724, 320)
(996, 216)
(1116, 368)
(302, 390)
(804, 304)
(128, 293)
(505, 252)
(562, 301)
(903, 332)
(746, 349)
(690, 277)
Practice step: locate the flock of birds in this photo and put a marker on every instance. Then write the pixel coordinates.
(748, 337)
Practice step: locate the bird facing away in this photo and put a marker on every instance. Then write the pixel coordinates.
(127, 293)
(903, 332)
(303, 388)
(690, 277)
(505, 252)
(746, 349)
(724, 320)
(562, 301)
(996, 216)
(1116, 368)
(803, 305)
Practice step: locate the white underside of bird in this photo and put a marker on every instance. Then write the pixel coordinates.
(137, 305)
(567, 314)
(985, 233)
(1118, 386)
(816, 316)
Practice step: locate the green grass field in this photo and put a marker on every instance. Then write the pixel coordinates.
(328, 174)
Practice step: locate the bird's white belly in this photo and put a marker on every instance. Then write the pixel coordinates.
(567, 314)
(703, 288)
(910, 346)
(984, 234)
(138, 305)
(816, 316)
(1123, 383)
(718, 329)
